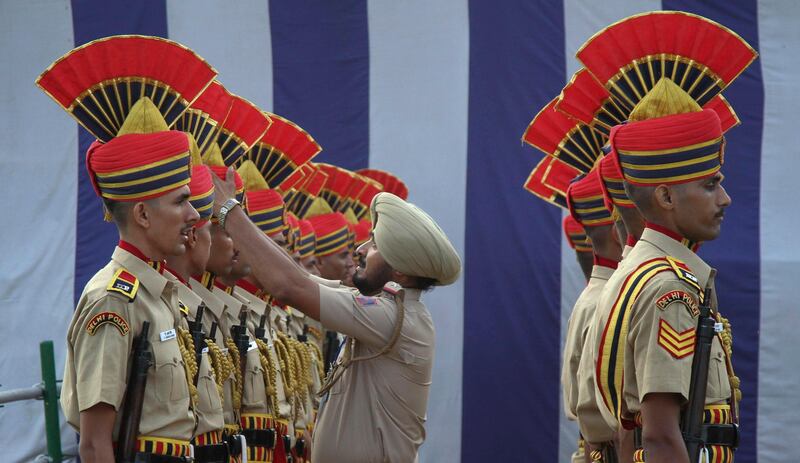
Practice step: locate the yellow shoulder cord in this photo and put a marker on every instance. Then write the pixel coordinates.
(287, 368)
(347, 359)
(238, 385)
(316, 358)
(270, 381)
(726, 339)
(186, 346)
(221, 364)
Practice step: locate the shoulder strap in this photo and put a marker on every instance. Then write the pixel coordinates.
(123, 282)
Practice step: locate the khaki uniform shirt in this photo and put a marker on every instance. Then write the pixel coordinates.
(209, 406)
(593, 427)
(376, 412)
(100, 340)
(657, 352)
(577, 328)
(215, 312)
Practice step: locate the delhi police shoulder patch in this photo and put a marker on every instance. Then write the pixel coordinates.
(124, 283)
(108, 318)
(365, 301)
(681, 297)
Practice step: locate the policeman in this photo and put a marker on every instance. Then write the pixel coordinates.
(590, 418)
(377, 396)
(648, 313)
(586, 206)
(334, 259)
(143, 181)
(215, 368)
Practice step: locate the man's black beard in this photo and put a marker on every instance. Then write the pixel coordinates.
(370, 288)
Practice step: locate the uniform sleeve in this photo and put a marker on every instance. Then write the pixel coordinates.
(102, 340)
(663, 338)
(370, 320)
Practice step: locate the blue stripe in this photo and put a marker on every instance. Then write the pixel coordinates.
(738, 280)
(512, 293)
(93, 19)
(652, 159)
(320, 56)
(667, 174)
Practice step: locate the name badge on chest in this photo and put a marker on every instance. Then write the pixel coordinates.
(167, 335)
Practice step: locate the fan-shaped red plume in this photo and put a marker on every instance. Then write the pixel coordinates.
(549, 180)
(700, 55)
(566, 139)
(354, 191)
(98, 83)
(364, 200)
(390, 182)
(245, 125)
(588, 102)
(336, 186)
(307, 190)
(206, 116)
(284, 148)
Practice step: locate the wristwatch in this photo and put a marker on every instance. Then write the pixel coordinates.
(226, 207)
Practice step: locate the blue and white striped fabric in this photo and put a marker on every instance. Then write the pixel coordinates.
(438, 92)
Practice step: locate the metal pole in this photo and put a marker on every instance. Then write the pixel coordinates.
(52, 428)
(15, 395)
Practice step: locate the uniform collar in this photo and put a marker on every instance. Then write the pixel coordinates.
(175, 274)
(676, 249)
(214, 303)
(601, 272)
(257, 304)
(603, 262)
(626, 250)
(231, 303)
(157, 265)
(249, 287)
(189, 298)
(149, 276)
(674, 235)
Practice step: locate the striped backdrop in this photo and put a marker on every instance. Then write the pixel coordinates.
(438, 92)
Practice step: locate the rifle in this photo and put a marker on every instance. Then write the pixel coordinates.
(261, 331)
(199, 338)
(692, 417)
(141, 361)
(242, 341)
(212, 335)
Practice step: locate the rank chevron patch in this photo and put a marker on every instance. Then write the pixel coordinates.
(679, 345)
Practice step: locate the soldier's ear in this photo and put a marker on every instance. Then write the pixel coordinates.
(140, 215)
(664, 198)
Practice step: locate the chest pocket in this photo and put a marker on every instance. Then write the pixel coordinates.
(719, 388)
(207, 388)
(169, 378)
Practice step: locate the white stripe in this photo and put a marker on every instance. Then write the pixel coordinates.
(39, 146)
(234, 37)
(778, 370)
(582, 19)
(419, 68)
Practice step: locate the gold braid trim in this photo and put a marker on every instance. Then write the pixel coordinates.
(302, 371)
(186, 346)
(726, 337)
(270, 373)
(317, 358)
(238, 385)
(221, 364)
(287, 368)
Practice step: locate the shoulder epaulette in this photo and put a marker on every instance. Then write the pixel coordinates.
(124, 283)
(684, 274)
